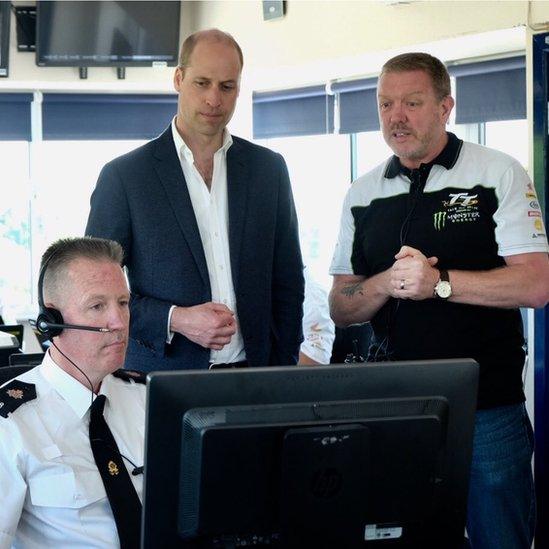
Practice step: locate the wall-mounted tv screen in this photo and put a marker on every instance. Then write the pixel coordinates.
(113, 33)
(4, 37)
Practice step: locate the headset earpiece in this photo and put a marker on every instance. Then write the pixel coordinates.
(50, 322)
(47, 316)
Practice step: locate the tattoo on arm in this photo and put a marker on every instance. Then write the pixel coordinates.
(353, 289)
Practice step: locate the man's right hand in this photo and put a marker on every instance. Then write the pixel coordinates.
(211, 325)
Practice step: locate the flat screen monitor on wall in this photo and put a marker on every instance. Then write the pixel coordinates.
(4, 37)
(334, 456)
(107, 33)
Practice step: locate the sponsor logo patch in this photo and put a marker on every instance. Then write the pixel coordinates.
(461, 199)
(458, 208)
(534, 213)
(538, 225)
(439, 220)
(534, 205)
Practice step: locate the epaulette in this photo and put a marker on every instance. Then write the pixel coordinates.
(14, 394)
(126, 375)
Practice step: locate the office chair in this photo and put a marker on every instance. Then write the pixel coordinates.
(9, 372)
(26, 359)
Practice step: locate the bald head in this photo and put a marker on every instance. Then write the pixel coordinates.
(209, 35)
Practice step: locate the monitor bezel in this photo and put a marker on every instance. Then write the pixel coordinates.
(5, 11)
(87, 63)
(171, 394)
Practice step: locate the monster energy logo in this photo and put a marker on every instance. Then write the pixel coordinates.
(439, 220)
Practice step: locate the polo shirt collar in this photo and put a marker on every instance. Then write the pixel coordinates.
(447, 158)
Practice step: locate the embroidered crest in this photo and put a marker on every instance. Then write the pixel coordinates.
(14, 394)
(460, 207)
(113, 468)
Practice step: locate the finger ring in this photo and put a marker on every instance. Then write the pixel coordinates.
(402, 284)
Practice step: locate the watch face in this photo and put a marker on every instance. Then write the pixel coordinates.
(443, 289)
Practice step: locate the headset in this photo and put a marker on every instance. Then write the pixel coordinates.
(50, 321)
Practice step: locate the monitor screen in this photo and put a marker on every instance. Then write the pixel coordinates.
(5, 15)
(107, 33)
(331, 456)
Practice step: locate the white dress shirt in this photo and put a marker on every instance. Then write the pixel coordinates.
(318, 327)
(212, 216)
(52, 494)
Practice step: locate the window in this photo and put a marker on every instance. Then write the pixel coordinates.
(371, 150)
(15, 266)
(509, 136)
(56, 206)
(319, 168)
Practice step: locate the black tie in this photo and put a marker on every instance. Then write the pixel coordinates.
(123, 498)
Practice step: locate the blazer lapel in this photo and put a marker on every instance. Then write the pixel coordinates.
(238, 182)
(168, 168)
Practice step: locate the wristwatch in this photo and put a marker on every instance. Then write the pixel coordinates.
(443, 288)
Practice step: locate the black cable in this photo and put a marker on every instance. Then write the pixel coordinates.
(416, 189)
(137, 469)
(79, 369)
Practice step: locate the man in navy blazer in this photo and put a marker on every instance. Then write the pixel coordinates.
(209, 229)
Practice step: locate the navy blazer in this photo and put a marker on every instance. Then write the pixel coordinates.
(141, 200)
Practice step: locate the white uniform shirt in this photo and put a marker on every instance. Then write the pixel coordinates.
(318, 327)
(212, 216)
(52, 494)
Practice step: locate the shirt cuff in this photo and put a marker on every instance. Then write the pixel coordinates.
(169, 333)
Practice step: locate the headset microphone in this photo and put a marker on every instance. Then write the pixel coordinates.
(46, 328)
(50, 321)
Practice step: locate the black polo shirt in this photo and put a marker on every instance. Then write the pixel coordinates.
(453, 208)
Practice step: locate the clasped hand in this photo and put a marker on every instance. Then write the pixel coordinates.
(413, 275)
(210, 325)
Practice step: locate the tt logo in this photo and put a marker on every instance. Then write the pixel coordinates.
(462, 199)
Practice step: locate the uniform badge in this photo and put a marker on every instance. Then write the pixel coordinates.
(14, 394)
(127, 375)
(113, 468)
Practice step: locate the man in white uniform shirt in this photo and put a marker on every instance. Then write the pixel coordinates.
(65, 475)
(318, 327)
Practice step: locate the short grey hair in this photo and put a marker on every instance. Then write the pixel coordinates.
(64, 251)
(419, 61)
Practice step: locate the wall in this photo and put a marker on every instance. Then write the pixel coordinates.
(316, 41)
(337, 30)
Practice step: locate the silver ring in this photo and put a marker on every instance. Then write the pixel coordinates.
(402, 284)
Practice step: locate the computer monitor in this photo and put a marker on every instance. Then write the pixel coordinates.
(331, 456)
(14, 329)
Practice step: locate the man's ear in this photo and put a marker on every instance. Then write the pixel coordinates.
(447, 105)
(178, 78)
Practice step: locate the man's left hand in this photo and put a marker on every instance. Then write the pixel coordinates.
(413, 275)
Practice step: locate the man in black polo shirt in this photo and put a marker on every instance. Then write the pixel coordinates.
(438, 248)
